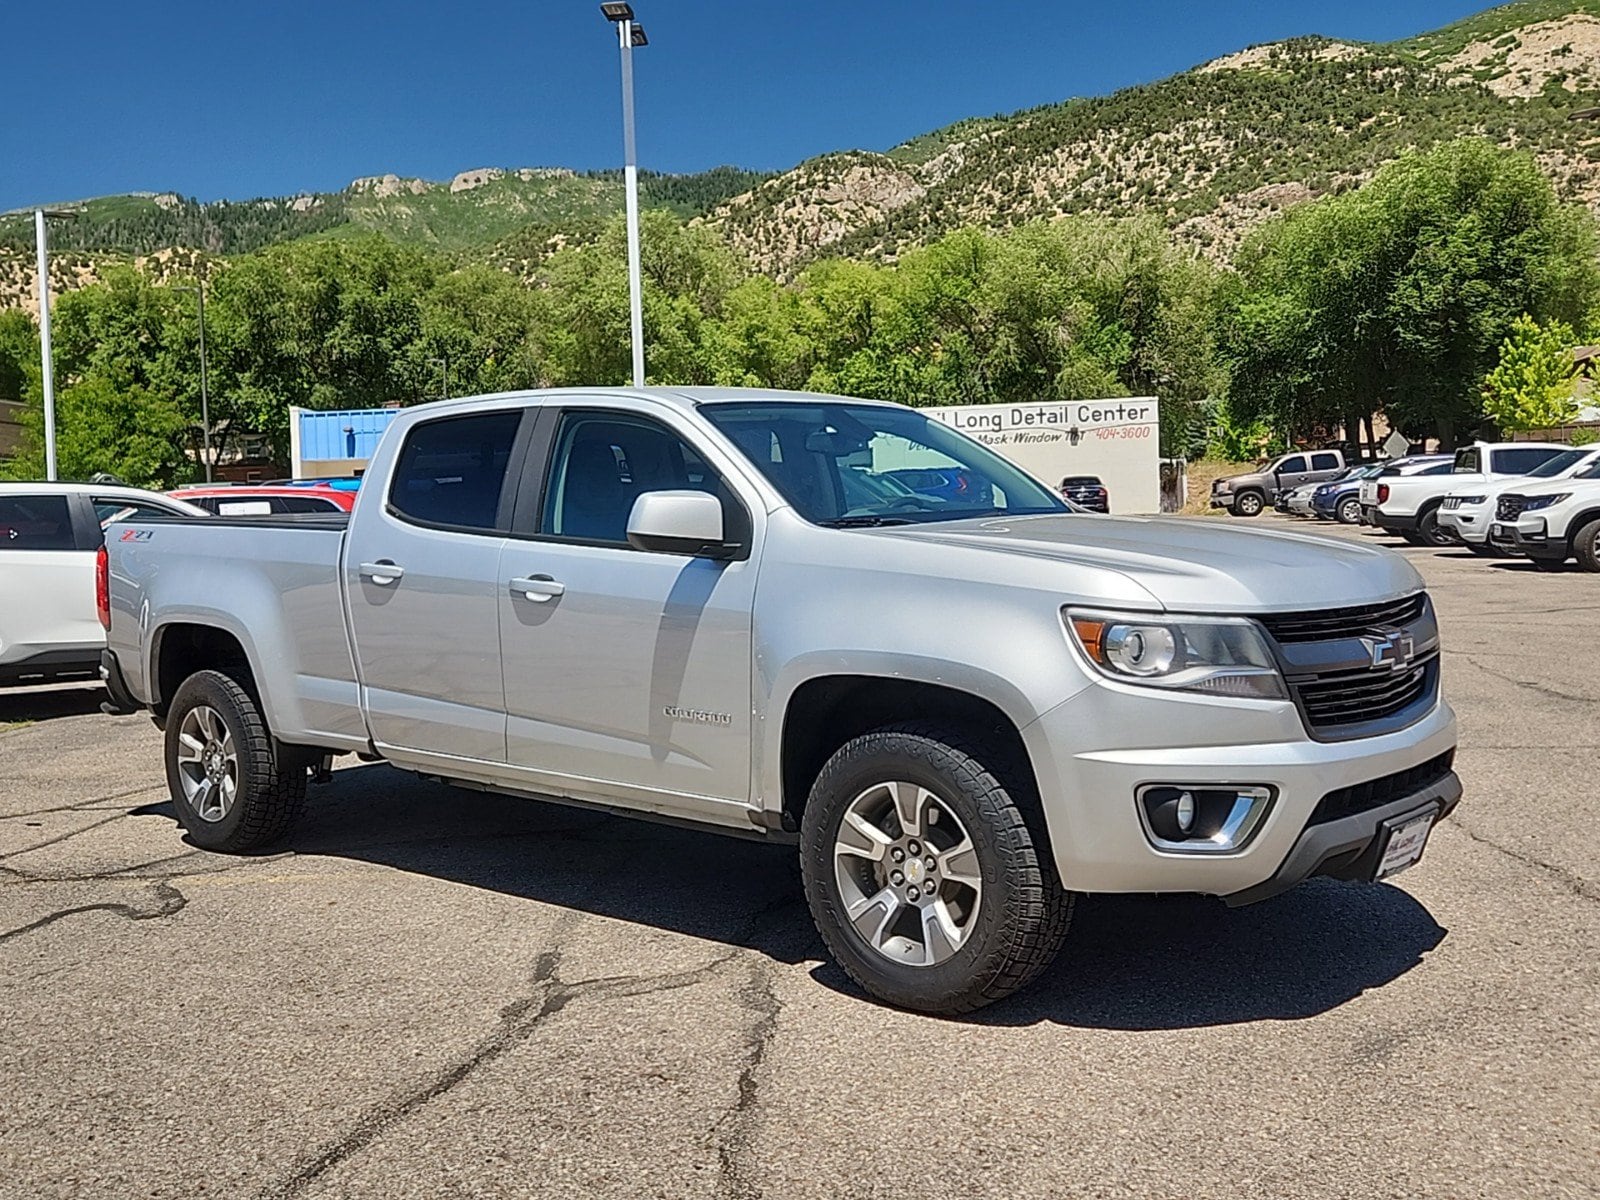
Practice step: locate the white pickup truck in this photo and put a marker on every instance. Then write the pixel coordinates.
(703, 605)
(1410, 504)
(49, 536)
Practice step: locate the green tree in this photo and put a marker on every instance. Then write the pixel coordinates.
(123, 429)
(1531, 386)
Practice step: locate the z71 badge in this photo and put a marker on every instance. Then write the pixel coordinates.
(137, 535)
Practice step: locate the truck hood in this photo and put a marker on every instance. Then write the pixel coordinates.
(1547, 487)
(1189, 565)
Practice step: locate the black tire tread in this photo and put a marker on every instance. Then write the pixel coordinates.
(1039, 921)
(1583, 546)
(272, 796)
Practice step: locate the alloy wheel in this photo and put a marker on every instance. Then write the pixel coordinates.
(208, 763)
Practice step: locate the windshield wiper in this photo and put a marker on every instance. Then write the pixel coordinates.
(868, 522)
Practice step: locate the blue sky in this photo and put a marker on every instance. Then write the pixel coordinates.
(247, 98)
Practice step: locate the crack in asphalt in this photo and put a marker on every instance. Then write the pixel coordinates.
(1540, 688)
(519, 1021)
(171, 901)
(63, 837)
(1574, 883)
(90, 803)
(743, 1120)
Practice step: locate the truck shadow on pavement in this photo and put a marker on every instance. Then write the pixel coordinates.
(1130, 963)
(49, 704)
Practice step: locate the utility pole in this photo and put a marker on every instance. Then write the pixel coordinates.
(629, 35)
(199, 291)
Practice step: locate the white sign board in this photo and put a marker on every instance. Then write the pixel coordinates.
(1117, 440)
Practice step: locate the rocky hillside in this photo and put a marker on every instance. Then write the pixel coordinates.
(1214, 151)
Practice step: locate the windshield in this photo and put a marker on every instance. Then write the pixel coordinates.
(871, 464)
(1552, 467)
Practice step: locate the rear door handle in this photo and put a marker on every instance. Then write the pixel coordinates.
(539, 588)
(381, 573)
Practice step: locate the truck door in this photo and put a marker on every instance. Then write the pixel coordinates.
(627, 672)
(1324, 466)
(422, 579)
(1292, 472)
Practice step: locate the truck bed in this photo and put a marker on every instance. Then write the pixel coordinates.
(270, 581)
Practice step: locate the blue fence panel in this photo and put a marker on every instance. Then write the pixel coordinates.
(343, 433)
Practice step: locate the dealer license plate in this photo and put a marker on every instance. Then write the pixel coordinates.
(1405, 845)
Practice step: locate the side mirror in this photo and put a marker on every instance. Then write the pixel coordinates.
(678, 523)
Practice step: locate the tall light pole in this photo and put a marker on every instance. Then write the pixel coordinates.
(444, 375)
(199, 291)
(630, 35)
(40, 217)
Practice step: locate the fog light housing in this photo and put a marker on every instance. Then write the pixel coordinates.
(1204, 818)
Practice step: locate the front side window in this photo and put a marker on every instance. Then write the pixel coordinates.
(603, 462)
(108, 510)
(1291, 466)
(35, 523)
(1592, 471)
(870, 464)
(450, 472)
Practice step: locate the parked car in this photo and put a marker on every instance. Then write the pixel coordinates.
(1409, 505)
(1086, 491)
(49, 536)
(1553, 520)
(1340, 498)
(1247, 494)
(670, 611)
(1416, 464)
(259, 500)
(1467, 514)
(1296, 502)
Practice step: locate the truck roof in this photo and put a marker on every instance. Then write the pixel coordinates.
(679, 397)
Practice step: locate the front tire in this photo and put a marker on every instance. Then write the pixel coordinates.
(929, 885)
(230, 789)
(1586, 546)
(1248, 504)
(1349, 511)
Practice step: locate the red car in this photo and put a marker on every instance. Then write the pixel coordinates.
(258, 500)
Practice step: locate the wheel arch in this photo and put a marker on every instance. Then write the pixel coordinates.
(826, 711)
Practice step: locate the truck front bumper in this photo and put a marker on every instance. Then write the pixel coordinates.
(1528, 535)
(1330, 801)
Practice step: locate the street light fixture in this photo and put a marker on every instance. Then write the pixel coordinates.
(630, 35)
(40, 217)
(444, 375)
(199, 290)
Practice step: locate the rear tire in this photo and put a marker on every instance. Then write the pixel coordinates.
(1586, 546)
(230, 789)
(891, 801)
(1349, 511)
(1431, 532)
(1248, 504)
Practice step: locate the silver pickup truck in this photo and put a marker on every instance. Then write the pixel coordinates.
(725, 607)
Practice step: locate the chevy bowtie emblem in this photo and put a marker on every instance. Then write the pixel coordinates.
(1391, 648)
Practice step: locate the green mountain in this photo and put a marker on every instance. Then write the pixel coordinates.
(1213, 150)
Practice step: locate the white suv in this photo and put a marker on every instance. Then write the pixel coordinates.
(1467, 513)
(1410, 506)
(49, 535)
(1552, 521)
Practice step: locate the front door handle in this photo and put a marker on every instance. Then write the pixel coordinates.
(382, 573)
(541, 589)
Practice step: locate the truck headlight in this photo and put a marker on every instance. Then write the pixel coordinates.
(1221, 656)
(1535, 503)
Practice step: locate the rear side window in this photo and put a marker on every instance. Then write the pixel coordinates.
(1469, 461)
(450, 472)
(304, 504)
(1324, 462)
(1521, 461)
(35, 523)
(1443, 468)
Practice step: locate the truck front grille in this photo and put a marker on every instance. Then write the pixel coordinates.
(1330, 624)
(1358, 696)
(1361, 670)
(1509, 507)
(1375, 793)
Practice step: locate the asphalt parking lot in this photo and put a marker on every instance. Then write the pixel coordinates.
(440, 993)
